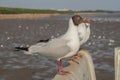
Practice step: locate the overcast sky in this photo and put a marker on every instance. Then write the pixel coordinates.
(59, 4)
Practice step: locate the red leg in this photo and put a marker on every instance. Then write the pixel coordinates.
(78, 55)
(60, 68)
(59, 65)
(73, 59)
(75, 56)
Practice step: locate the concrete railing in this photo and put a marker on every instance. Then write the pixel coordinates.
(117, 63)
(82, 71)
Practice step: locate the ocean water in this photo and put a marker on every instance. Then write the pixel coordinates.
(15, 65)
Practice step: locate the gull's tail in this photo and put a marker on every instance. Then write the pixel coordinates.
(45, 40)
(21, 48)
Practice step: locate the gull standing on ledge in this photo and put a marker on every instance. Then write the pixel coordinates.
(64, 46)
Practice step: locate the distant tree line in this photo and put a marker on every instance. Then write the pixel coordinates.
(6, 10)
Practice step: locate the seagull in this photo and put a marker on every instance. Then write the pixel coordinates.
(65, 46)
(84, 31)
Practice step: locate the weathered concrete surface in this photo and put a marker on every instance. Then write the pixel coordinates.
(117, 63)
(82, 71)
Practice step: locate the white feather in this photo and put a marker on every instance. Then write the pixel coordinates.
(84, 32)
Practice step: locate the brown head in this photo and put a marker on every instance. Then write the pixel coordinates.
(77, 19)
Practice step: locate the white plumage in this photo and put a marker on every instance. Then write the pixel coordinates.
(84, 32)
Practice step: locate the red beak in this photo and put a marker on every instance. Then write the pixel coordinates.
(86, 20)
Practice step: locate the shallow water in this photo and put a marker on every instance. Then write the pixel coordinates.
(15, 65)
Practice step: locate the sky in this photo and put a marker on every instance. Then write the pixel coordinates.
(60, 4)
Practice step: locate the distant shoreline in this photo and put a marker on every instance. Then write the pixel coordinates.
(27, 16)
(33, 16)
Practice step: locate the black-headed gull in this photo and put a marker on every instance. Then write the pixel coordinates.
(84, 32)
(64, 46)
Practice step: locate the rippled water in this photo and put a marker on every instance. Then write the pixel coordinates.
(15, 65)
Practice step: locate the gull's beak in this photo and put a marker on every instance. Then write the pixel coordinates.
(86, 20)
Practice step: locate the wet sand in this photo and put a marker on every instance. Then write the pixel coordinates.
(24, 32)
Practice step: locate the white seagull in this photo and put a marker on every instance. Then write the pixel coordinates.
(64, 46)
(84, 31)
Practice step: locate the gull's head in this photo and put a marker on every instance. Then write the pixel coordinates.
(77, 19)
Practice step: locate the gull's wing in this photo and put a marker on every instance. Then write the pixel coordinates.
(55, 48)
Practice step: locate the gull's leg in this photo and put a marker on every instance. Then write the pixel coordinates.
(60, 68)
(59, 65)
(75, 57)
(74, 60)
(78, 55)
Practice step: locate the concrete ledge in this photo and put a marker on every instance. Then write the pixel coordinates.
(117, 63)
(82, 71)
